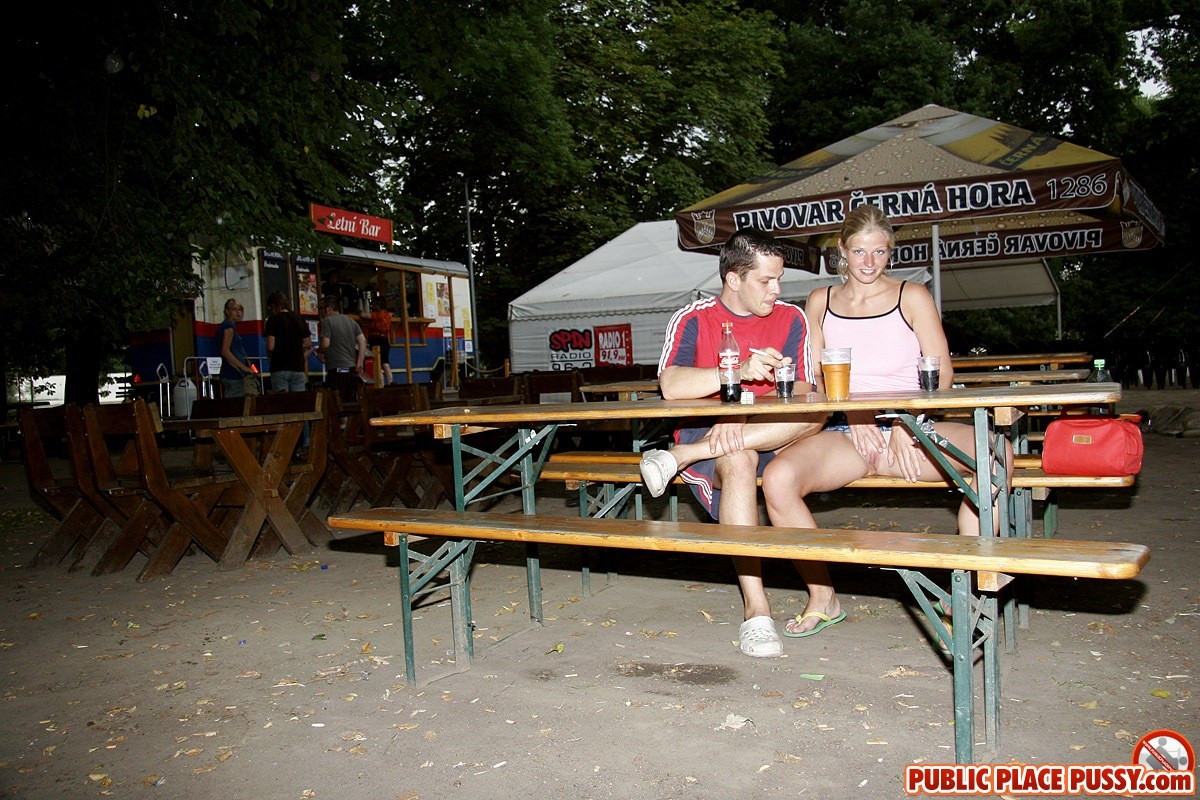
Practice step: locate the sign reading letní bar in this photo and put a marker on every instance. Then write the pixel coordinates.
(351, 223)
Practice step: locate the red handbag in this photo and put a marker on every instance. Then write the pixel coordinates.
(1092, 445)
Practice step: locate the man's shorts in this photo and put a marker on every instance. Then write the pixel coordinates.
(701, 475)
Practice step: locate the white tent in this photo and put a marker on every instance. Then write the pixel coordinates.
(612, 305)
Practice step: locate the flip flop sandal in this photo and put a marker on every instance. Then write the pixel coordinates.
(825, 622)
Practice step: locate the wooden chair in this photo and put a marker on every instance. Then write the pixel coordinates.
(214, 408)
(106, 466)
(187, 499)
(394, 452)
(553, 387)
(348, 472)
(44, 429)
(217, 407)
(479, 388)
(610, 374)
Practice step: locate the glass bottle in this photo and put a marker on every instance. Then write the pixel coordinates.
(729, 363)
(1099, 373)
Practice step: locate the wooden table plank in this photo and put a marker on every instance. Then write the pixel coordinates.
(809, 403)
(1060, 557)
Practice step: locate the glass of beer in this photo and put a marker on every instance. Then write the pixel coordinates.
(785, 380)
(929, 372)
(835, 365)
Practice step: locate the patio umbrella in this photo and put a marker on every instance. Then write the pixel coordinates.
(963, 191)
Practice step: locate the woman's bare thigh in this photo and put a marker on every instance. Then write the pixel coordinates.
(823, 462)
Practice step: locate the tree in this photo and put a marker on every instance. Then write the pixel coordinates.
(147, 135)
(568, 121)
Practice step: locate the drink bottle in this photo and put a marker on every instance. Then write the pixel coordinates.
(1100, 373)
(729, 361)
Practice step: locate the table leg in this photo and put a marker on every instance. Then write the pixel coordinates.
(262, 482)
(960, 654)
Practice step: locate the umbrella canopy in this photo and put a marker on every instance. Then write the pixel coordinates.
(985, 191)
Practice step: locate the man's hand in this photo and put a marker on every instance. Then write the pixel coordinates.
(761, 364)
(726, 437)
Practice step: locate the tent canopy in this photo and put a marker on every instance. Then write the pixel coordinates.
(644, 271)
(635, 282)
(995, 192)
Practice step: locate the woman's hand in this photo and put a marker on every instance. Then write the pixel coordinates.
(905, 450)
(868, 441)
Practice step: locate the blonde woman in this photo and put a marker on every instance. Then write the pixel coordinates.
(888, 323)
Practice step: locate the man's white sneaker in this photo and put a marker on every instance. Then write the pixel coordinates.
(757, 637)
(658, 468)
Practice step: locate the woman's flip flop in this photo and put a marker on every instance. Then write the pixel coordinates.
(825, 622)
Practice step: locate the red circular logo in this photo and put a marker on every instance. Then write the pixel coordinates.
(1165, 750)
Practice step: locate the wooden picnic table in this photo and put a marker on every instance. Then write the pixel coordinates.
(975, 599)
(1023, 376)
(261, 471)
(624, 390)
(527, 449)
(1042, 360)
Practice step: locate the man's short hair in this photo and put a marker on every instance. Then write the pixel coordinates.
(332, 302)
(739, 251)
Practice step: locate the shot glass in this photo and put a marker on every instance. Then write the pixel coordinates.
(929, 372)
(835, 365)
(785, 380)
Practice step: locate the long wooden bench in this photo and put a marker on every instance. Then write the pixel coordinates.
(577, 469)
(978, 565)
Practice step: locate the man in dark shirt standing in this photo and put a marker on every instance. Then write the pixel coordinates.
(288, 344)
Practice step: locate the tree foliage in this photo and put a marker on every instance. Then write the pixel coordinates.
(559, 124)
(144, 134)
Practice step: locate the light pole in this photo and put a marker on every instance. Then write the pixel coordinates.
(471, 278)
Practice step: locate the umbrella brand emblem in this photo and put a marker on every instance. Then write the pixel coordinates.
(1131, 233)
(705, 224)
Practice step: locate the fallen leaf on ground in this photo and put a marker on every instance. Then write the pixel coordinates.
(734, 722)
(903, 672)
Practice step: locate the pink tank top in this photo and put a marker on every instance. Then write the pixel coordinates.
(884, 348)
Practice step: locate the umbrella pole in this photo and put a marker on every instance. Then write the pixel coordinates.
(937, 269)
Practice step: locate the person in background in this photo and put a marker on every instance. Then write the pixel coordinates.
(343, 348)
(722, 461)
(887, 323)
(235, 364)
(288, 345)
(379, 334)
(338, 284)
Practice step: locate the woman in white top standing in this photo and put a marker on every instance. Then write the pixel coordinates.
(888, 323)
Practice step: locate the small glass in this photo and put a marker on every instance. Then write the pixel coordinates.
(785, 380)
(929, 372)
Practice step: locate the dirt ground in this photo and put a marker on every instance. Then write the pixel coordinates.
(284, 679)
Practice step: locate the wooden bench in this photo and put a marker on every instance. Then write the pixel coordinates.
(579, 469)
(985, 562)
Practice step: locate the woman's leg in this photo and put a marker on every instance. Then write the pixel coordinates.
(963, 437)
(819, 463)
